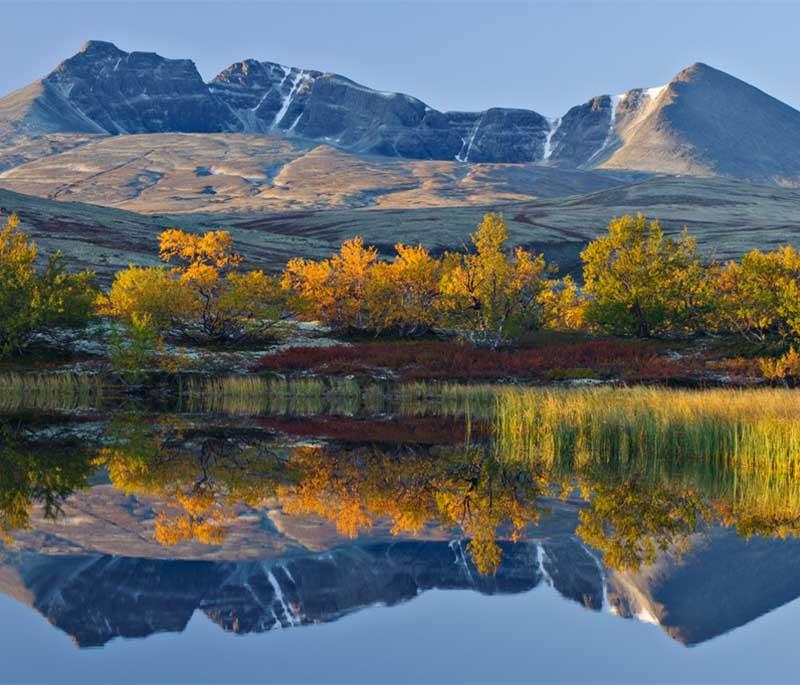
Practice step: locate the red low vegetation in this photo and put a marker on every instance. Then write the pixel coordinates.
(455, 361)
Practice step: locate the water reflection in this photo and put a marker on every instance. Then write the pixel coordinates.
(126, 524)
(37, 470)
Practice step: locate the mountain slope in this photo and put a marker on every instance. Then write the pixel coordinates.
(728, 217)
(103, 89)
(706, 121)
(233, 172)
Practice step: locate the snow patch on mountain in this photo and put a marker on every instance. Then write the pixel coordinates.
(615, 101)
(463, 155)
(548, 147)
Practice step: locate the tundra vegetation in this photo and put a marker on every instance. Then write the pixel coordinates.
(650, 465)
(636, 283)
(203, 296)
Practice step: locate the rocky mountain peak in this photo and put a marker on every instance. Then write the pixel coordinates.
(697, 70)
(101, 48)
(708, 122)
(109, 90)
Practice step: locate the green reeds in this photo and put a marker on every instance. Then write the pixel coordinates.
(259, 395)
(422, 398)
(753, 430)
(49, 392)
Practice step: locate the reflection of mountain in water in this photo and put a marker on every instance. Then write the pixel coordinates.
(723, 582)
(97, 598)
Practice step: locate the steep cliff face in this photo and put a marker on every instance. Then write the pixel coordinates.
(268, 97)
(103, 89)
(583, 132)
(260, 94)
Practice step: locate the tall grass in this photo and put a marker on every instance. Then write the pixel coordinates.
(753, 430)
(423, 398)
(49, 392)
(259, 396)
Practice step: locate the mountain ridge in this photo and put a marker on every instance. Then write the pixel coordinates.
(703, 122)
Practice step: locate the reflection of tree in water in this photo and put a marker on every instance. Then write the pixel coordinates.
(202, 474)
(199, 473)
(463, 489)
(638, 509)
(35, 473)
(633, 510)
(631, 521)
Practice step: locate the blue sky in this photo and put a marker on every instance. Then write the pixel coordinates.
(454, 55)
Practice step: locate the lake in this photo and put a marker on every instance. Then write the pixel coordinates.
(432, 535)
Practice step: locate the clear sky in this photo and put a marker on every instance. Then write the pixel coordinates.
(468, 55)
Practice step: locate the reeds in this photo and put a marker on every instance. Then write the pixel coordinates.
(421, 398)
(751, 430)
(49, 392)
(738, 450)
(268, 396)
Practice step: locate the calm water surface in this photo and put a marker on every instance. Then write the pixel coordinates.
(145, 546)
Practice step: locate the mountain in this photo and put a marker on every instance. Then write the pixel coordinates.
(702, 122)
(722, 582)
(102, 89)
(707, 122)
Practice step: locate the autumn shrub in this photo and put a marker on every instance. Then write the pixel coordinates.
(204, 297)
(31, 299)
(334, 290)
(492, 295)
(784, 368)
(489, 295)
(402, 296)
(759, 296)
(637, 282)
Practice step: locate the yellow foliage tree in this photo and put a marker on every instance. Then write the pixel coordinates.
(563, 306)
(204, 296)
(491, 294)
(213, 249)
(640, 283)
(30, 300)
(402, 295)
(36, 473)
(632, 521)
(200, 477)
(759, 295)
(334, 290)
(150, 291)
(469, 491)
